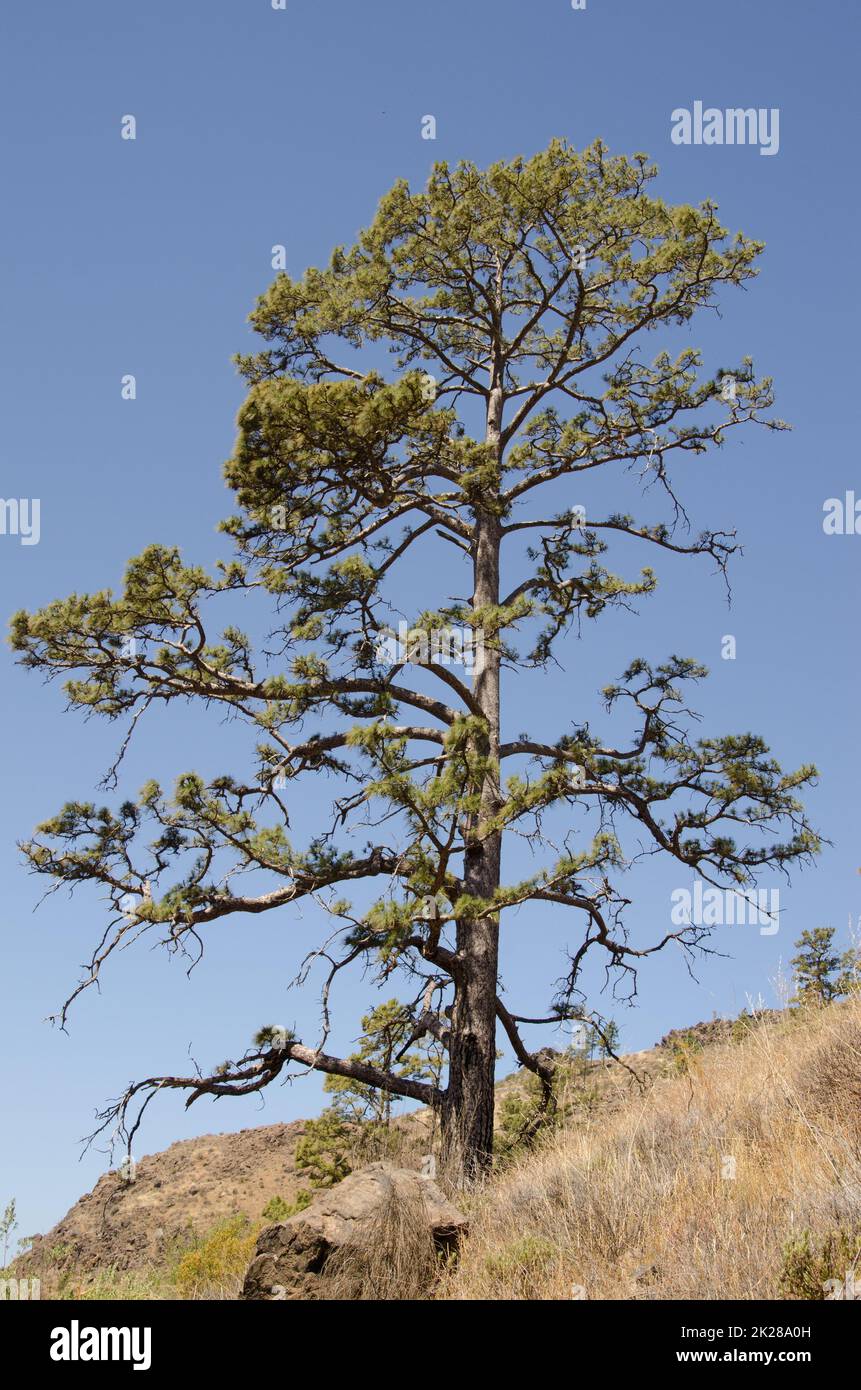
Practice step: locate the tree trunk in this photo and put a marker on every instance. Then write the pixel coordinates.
(467, 1112)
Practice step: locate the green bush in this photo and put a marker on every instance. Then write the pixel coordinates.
(684, 1051)
(807, 1268)
(514, 1269)
(277, 1209)
(521, 1118)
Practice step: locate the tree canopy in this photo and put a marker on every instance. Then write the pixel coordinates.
(434, 392)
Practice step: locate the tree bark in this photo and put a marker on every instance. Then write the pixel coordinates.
(468, 1107)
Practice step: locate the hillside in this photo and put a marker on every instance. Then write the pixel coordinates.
(682, 1174)
(736, 1175)
(191, 1187)
(187, 1189)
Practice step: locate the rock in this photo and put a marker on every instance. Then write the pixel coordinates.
(290, 1257)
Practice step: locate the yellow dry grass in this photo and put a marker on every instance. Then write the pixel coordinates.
(692, 1191)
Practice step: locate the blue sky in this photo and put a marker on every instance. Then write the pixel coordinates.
(257, 127)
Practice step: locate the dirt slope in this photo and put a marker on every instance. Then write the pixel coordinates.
(188, 1188)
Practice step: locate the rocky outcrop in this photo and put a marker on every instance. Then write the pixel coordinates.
(294, 1259)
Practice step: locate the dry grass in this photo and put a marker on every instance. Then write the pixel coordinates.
(642, 1203)
(395, 1258)
(736, 1176)
(205, 1267)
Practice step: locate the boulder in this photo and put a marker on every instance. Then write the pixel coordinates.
(291, 1258)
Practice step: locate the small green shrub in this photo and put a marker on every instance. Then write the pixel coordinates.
(684, 1052)
(742, 1027)
(277, 1209)
(514, 1269)
(521, 1118)
(807, 1269)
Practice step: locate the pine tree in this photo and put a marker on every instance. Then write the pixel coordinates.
(817, 964)
(322, 1152)
(388, 1043)
(514, 304)
(606, 1041)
